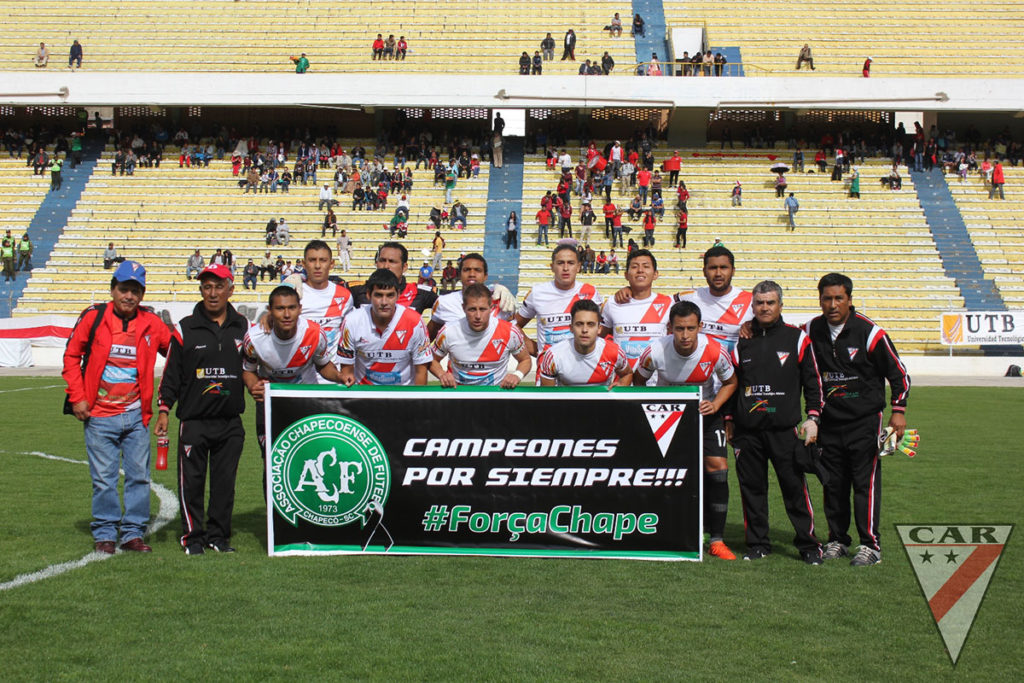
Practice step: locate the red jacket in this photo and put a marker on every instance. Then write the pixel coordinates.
(153, 336)
(997, 175)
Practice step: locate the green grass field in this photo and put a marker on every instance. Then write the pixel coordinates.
(246, 616)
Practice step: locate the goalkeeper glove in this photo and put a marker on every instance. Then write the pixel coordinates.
(889, 444)
(506, 300)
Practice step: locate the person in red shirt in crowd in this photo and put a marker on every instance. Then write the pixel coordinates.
(643, 183)
(821, 161)
(681, 230)
(634, 158)
(564, 219)
(684, 196)
(672, 165)
(378, 47)
(108, 367)
(867, 67)
(610, 210)
(998, 180)
(649, 222)
(401, 48)
(543, 222)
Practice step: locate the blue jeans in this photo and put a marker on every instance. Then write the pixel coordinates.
(108, 440)
(617, 236)
(542, 233)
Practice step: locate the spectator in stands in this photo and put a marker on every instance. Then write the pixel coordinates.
(821, 161)
(569, 46)
(649, 224)
(615, 28)
(617, 228)
(326, 197)
(695, 62)
(358, 197)
(401, 48)
(330, 223)
(720, 62)
(866, 71)
(792, 206)
(42, 57)
(638, 25)
(805, 56)
(252, 181)
(893, 179)
(855, 185)
(449, 276)
(512, 231)
(547, 47)
(672, 165)
(450, 178)
(654, 66)
(737, 194)
(344, 243)
(584, 69)
(195, 264)
(389, 47)
(378, 47)
(301, 63)
(613, 261)
(601, 263)
(682, 196)
(998, 180)
(658, 206)
(249, 275)
(780, 185)
(643, 183)
(587, 218)
(25, 249)
(40, 161)
(110, 256)
(285, 180)
(459, 213)
(607, 63)
(437, 248)
(267, 267)
(75, 56)
(543, 222)
(524, 64)
(707, 62)
(684, 219)
(636, 208)
(798, 160)
(271, 232)
(283, 237)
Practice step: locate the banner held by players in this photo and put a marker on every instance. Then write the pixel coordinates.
(482, 471)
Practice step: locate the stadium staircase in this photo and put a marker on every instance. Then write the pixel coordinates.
(53, 213)
(959, 258)
(655, 32)
(504, 195)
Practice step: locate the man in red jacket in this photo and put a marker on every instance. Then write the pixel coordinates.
(108, 367)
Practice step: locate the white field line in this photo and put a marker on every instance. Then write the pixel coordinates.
(48, 386)
(168, 510)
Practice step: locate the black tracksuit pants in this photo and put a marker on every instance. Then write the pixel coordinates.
(214, 444)
(753, 452)
(850, 456)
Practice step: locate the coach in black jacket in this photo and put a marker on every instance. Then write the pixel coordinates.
(856, 357)
(773, 366)
(204, 377)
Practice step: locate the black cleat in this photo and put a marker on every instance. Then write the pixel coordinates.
(757, 553)
(220, 545)
(812, 557)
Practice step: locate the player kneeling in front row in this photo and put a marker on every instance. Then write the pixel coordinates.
(585, 359)
(479, 344)
(384, 343)
(688, 358)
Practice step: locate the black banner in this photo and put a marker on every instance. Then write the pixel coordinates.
(481, 471)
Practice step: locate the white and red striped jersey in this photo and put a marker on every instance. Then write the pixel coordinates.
(550, 306)
(327, 307)
(448, 309)
(292, 361)
(708, 361)
(569, 368)
(384, 357)
(721, 316)
(478, 358)
(636, 323)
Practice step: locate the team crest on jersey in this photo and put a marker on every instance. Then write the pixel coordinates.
(705, 366)
(498, 344)
(663, 419)
(852, 350)
(783, 355)
(658, 308)
(737, 309)
(605, 367)
(304, 350)
(401, 336)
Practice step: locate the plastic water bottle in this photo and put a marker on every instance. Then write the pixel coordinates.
(162, 444)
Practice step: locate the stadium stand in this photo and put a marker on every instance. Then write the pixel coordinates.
(997, 229)
(911, 39)
(214, 35)
(159, 216)
(881, 240)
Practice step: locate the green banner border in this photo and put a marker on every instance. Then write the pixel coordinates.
(323, 549)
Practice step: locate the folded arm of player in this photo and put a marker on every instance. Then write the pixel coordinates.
(721, 398)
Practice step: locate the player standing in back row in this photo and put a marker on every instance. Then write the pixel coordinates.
(645, 316)
(855, 357)
(551, 302)
(687, 357)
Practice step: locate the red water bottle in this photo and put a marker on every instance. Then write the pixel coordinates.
(162, 444)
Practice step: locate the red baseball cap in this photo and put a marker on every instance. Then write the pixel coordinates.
(217, 270)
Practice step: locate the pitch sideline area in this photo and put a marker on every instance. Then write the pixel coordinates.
(247, 616)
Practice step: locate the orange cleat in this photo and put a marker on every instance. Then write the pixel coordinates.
(720, 550)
